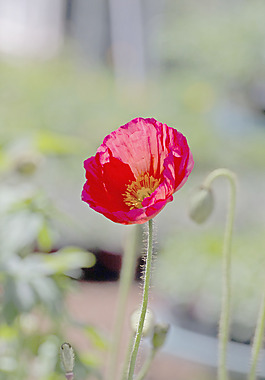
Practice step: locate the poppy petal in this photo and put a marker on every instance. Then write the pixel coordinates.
(136, 170)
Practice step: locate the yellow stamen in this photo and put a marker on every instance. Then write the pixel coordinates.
(140, 189)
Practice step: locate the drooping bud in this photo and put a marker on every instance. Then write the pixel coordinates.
(67, 360)
(148, 322)
(160, 334)
(201, 205)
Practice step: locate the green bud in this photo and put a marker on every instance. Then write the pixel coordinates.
(67, 357)
(160, 334)
(148, 322)
(201, 205)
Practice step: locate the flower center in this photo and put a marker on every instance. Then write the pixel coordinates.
(140, 189)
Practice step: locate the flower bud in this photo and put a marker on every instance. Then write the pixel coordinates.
(201, 205)
(160, 334)
(148, 322)
(67, 357)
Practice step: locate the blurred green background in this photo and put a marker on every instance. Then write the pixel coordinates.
(196, 66)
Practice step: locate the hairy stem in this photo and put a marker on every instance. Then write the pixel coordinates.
(224, 324)
(147, 278)
(258, 340)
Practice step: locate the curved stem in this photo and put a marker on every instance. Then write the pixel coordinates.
(258, 339)
(147, 278)
(126, 277)
(224, 324)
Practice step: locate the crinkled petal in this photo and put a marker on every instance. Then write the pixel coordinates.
(106, 183)
(135, 216)
(142, 146)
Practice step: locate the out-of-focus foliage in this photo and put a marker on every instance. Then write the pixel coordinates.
(210, 84)
(48, 100)
(34, 277)
(223, 42)
(191, 274)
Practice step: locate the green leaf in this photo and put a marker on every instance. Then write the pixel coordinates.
(44, 237)
(69, 258)
(89, 359)
(96, 339)
(46, 290)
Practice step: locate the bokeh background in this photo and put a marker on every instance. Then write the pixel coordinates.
(71, 71)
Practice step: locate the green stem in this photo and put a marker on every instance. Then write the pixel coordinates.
(258, 340)
(147, 278)
(128, 355)
(224, 324)
(126, 278)
(145, 368)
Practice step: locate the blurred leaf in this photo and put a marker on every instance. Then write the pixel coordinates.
(18, 295)
(47, 358)
(96, 339)
(24, 294)
(69, 258)
(55, 376)
(46, 290)
(11, 305)
(7, 332)
(19, 230)
(44, 237)
(54, 143)
(86, 364)
(4, 162)
(89, 359)
(8, 364)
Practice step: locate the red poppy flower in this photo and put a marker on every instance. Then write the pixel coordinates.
(136, 170)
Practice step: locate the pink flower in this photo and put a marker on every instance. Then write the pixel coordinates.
(136, 171)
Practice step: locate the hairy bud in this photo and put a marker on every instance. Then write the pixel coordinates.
(160, 334)
(201, 205)
(67, 358)
(148, 322)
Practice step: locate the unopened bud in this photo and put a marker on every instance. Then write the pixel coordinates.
(67, 358)
(148, 322)
(201, 205)
(160, 334)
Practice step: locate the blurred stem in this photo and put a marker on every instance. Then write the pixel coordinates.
(224, 324)
(147, 278)
(258, 340)
(126, 278)
(69, 376)
(128, 355)
(145, 368)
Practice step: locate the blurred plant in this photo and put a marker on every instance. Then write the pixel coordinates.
(201, 209)
(203, 254)
(34, 278)
(153, 332)
(159, 335)
(258, 339)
